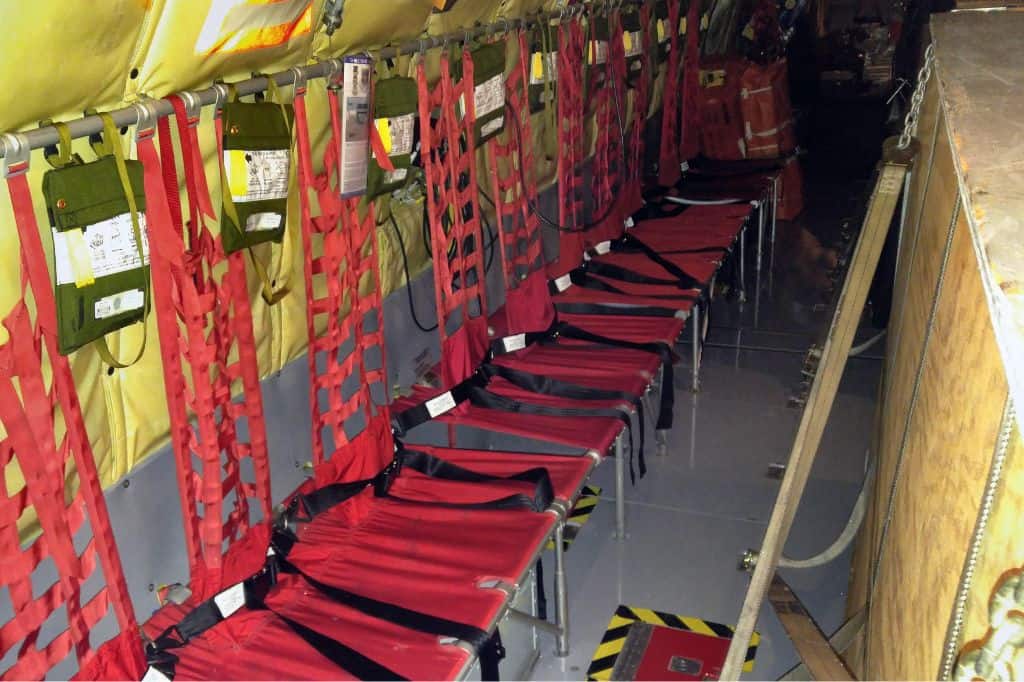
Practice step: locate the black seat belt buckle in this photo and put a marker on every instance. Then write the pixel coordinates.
(382, 483)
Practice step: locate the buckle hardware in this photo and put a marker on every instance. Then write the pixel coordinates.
(16, 150)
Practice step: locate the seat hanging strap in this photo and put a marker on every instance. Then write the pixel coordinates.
(612, 310)
(583, 278)
(686, 280)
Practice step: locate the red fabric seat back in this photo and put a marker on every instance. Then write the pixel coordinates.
(791, 190)
(64, 583)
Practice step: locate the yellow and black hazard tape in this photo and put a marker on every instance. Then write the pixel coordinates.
(614, 638)
(579, 515)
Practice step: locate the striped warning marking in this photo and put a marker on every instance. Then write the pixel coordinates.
(579, 515)
(614, 638)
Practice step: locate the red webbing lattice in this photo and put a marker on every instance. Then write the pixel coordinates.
(689, 136)
(45, 439)
(453, 211)
(347, 246)
(633, 196)
(609, 94)
(571, 149)
(669, 171)
(209, 353)
(513, 180)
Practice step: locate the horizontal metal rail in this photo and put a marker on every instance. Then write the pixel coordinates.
(15, 147)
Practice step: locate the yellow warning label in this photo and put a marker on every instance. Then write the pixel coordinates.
(661, 30)
(627, 41)
(748, 32)
(614, 638)
(384, 130)
(81, 260)
(238, 172)
(538, 66)
(705, 22)
(682, 26)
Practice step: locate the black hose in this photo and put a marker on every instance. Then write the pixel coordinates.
(408, 282)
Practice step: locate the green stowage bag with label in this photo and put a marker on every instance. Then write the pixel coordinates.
(633, 45)
(543, 68)
(100, 253)
(395, 113)
(256, 171)
(488, 89)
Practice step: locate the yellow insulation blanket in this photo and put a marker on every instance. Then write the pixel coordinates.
(107, 54)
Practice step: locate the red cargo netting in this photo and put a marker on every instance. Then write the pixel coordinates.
(669, 171)
(608, 87)
(58, 594)
(209, 355)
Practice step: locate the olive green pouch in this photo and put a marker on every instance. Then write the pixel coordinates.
(101, 280)
(633, 44)
(543, 68)
(395, 113)
(663, 35)
(488, 87)
(255, 172)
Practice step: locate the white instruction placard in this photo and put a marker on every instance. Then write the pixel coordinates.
(355, 125)
(111, 248)
(396, 133)
(258, 174)
(441, 404)
(116, 304)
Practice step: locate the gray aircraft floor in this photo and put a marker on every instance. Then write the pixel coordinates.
(710, 496)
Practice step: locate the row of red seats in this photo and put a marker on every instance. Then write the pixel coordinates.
(393, 560)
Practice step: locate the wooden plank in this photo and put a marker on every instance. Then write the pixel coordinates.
(819, 403)
(946, 458)
(809, 641)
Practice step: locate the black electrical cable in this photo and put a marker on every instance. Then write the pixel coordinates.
(408, 282)
(549, 222)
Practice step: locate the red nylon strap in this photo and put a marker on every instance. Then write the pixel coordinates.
(668, 161)
(32, 414)
(571, 140)
(689, 143)
(513, 183)
(209, 353)
(633, 195)
(335, 310)
(453, 213)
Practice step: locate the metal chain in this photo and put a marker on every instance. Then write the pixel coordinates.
(914, 113)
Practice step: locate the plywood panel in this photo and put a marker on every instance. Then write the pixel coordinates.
(952, 432)
(1001, 549)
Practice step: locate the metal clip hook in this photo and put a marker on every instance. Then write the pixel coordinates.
(221, 90)
(299, 80)
(193, 104)
(16, 154)
(147, 115)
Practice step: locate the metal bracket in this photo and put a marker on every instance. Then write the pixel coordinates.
(148, 115)
(221, 90)
(299, 82)
(16, 154)
(193, 106)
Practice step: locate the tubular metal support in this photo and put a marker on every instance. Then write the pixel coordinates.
(561, 596)
(535, 622)
(695, 323)
(743, 263)
(762, 207)
(620, 490)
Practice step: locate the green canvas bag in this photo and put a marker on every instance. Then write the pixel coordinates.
(633, 45)
(543, 65)
(100, 251)
(488, 88)
(256, 177)
(395, 113)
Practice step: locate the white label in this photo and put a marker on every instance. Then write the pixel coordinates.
(397, 134)
(598, 51)
(543, 67)
(489, 96)
(629, 223)
(602, 248)
(633, 43)
(563, 282)
(154, 675)
(355, 126)
(441, 404)
(397, 175)
(258, 222)
(230, 600)
(111, 244)
(257, 175)
(115, 304)
(514, 343)
(492, 126)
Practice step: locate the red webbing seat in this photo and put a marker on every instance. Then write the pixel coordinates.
(208, 348)
(64, 584)
(454, 218)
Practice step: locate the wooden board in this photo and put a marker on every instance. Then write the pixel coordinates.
(952, 433)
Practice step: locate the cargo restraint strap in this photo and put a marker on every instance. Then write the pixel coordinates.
(304, 508)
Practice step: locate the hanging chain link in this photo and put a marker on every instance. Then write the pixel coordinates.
(923, 76)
